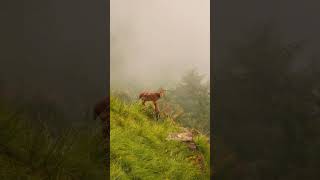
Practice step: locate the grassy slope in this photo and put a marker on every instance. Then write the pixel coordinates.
(30, 152)
(139, 149)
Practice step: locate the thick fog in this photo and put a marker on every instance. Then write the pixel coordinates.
(153, 42)
(55, 53)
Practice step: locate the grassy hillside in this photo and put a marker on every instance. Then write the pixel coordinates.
(139, 149)
(29, 151)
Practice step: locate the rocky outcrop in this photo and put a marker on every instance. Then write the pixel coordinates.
(186, 136)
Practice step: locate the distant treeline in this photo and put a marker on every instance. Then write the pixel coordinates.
(266, 110)
(186, 101)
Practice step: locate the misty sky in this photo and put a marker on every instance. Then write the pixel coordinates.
(159, 39)
(294, 19)
(54, 53)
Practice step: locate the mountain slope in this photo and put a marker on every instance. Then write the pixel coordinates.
(139, 149)
(29, 151)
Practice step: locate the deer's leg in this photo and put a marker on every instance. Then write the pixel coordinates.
(155, 106)
(104, 116)
(106, 129)
(156, 109)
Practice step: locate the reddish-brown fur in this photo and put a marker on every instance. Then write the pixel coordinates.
(101, 110)
(151, 96)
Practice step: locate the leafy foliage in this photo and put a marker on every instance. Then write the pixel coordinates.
(264, 107)
(193, 95)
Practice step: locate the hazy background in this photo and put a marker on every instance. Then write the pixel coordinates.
(264, 117)
(55, 54)
(153, 42)
(53, 69)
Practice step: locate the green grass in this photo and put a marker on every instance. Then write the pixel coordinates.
(139, 149)
(29, 151)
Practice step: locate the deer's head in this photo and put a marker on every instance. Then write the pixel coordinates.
(161, 91)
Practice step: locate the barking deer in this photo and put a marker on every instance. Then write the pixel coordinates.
(152, 96)
(101, 110)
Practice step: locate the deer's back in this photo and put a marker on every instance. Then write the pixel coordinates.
(149, 96)
(101, 107)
